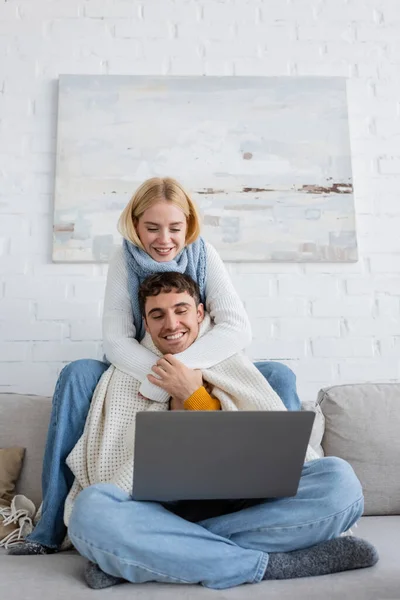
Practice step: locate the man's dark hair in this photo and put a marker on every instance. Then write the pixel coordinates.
(166, 283)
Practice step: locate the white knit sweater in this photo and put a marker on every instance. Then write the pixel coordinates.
(105, 452)
(231, 334)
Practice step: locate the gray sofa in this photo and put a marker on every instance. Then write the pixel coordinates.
(362, 425)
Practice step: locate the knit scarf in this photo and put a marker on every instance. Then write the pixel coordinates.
(192, 261)
(105, 452)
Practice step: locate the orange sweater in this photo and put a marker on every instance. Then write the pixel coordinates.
(201, 400)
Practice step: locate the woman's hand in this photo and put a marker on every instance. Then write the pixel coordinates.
(179, 381)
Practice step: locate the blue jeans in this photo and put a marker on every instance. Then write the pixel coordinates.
(71, 402)
(144, 541)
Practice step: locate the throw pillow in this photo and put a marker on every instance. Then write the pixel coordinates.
(10, 467)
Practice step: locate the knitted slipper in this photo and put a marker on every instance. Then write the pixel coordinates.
(20, 513)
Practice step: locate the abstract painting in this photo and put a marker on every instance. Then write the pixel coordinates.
(267, 159)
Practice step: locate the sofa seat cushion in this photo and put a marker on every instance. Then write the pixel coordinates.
(362, 426)
(61, 576)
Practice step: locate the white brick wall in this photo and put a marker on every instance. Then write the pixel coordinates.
(328, 322)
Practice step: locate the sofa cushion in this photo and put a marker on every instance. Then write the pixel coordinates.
(60, 576)
(362, 426)
(24, 421)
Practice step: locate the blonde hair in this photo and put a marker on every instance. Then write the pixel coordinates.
(151, 191)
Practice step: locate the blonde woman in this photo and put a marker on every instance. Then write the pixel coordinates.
(161, 231)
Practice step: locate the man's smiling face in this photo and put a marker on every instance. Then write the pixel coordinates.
(173, 320)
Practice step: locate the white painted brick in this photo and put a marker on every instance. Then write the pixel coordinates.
(29, 287)
(382, 325)
(205, 31)
(14, 224)
(377, 33)
(90, 329)
(311, 68)
(337, 268)
(171, 48)
(261, 268)
(218, 67)
(388, 125)
(342, 348)
(106, 9)
(292, 51)
(307, 328)
(385, 263)
(273, 36)
(345, 10)
(178, 12)
(273, 66)
(276, 307)
(308, 286)
(342, 307)
(286, 11)
(390, 11)
(89, 290)
(389, 166)
(45, 9)
(63, 351)
(277, 349)
(223, 13)
(360, 371)
(251, 284)
(389, 306)
(14, 351)
(186, 66)
(32, 331)
(133, 28)
(59, 31)
(67, 310)
(231, 50)
(12, 264)
(11, 309)
(28, 377)
(317, 369)
(156, 65)
(379, 234)
(326, 31)
(373, 53)
(62, 269)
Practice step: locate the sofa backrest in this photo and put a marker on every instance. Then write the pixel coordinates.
(362, 425)
(24, 421)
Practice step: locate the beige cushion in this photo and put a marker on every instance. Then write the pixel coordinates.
(10, 468)
(362, 426)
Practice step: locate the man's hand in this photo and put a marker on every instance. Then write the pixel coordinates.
(176, 379)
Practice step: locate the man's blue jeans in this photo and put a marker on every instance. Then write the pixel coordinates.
(71, 402)
(143, 541)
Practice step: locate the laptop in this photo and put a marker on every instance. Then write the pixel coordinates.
(205, 455)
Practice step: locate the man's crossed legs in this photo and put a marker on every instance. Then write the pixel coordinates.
(143, 541)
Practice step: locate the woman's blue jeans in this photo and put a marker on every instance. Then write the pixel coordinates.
(71, 402)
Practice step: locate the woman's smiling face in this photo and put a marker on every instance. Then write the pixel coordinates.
(162, 230)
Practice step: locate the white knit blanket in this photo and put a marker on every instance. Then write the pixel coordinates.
(104, 453)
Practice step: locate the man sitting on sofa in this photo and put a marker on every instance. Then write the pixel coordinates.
(219, 546)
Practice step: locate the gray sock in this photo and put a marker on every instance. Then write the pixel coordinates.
(339, 554)
(31, 548)
(97, 579)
